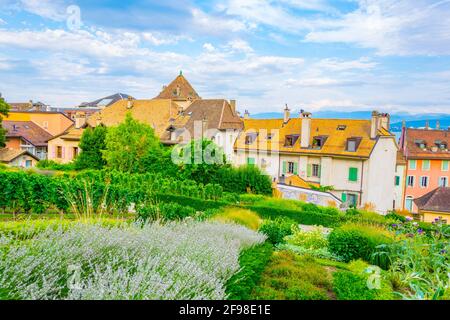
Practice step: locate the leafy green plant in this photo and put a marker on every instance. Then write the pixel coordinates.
(277, 229)
(358, 241)
(314, 239)
(92, 144)
(240, 216)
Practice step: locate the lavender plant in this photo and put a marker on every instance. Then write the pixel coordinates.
(188, 260)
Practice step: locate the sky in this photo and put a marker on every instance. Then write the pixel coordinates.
(389, 55)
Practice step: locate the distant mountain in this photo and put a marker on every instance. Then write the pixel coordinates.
(412, 120)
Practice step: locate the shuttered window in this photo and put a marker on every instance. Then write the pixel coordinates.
(353, 174)
(251, 161)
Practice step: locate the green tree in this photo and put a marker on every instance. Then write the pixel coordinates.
(92, 144)
(130, 146)
(4, 109)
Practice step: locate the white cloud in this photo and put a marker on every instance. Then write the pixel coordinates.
(216, 24)
(2, 22)
(159, 39)
(50, 9)
(239, 45)
(209, 47)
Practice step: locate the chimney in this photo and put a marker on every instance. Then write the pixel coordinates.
(233, 106)
(385, 121)
(438, 125)
(306, 129)
(246, 114)
(80, 120)
(130, 103)
(374, 123)
(287, 114)
(427, 125)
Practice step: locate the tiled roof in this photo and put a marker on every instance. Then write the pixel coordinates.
(179, 89)
(217, 112)
(73, 134)
(437, 200)
(335, 143)
(7, 155)
(156, 113)
(430, 137)
(298, 182)
(27, 130)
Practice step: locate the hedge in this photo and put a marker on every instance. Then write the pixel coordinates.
(198, 204)
(253, 262)
(301, 217)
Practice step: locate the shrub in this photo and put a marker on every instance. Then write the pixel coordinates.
(395, 216)
(252, 262)
(358, 241)
(165, 211)
(314, 239)
(52, 165)
(240, 216)
(291, 277)
(354, 284)
(277, 229)
(250, 198)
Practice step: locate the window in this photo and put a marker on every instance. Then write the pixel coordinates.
(351, 199)
(426, 165)
(412, 164)
(353, 144)
(424, 182)
(353, 174)
(250, 138)
(290, 167)
(28, 163)
(341, 127)
(318, 142)
(316, 170)
(270, 136)
(443, 182)
(409, 204)
(397, 181)
(445, 165)
(410, 181)
(251, 161)
(75, 152)
(59, 152)
(290, 140)
(421, 144)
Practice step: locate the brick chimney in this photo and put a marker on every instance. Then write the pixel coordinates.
(80, 120)
(306, 129)
(287, 114)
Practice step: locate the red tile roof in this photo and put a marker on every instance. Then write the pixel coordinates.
(179, 89)
(430, 138)
(437, 200)
(27, 130)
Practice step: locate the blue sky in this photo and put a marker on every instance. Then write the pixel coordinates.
(391, 55)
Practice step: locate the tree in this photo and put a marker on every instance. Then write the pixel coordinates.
(4, 109)
(92, 145)
(130, 146)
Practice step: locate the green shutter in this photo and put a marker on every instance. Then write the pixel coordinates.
(309, 170)
(295, 168)
(397, 180)
(353, 174)
(320, 171)
(284, 167)
(445, 165)
(344, 197)
(251, 161)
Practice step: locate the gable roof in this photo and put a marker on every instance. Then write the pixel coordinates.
(27, 130)
(106, 101)
(217, 112)
(437, 200)
(179, 89)
(7, 155)
(335, 143)
(71, 134)
(430, 138)
(156, 113)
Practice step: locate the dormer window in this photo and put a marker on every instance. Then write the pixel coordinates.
(341, 127)
(421, 144)
(442, 145)
(353, 144)
(290, 140)
(270, 136)
(250, 138)
(319, 141)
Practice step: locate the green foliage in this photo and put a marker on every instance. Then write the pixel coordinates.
(358, 241)
(354, 284)
(314, 239)
(4, 109)
(165, 211)
(198, 204)
(292, 277)
(92, 144)
(252, 262)
(245, 179)
(52, 165)
(277, 229)
(240, 216)
(131, 145)
(395, 216)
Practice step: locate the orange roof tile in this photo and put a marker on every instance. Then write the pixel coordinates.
(179, 89)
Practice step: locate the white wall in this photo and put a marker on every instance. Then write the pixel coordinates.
(399, 191)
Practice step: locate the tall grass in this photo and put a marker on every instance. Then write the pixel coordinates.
(188, 260)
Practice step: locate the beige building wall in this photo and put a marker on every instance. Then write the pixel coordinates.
(54, 123)
(66, 152)
(22, 162)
